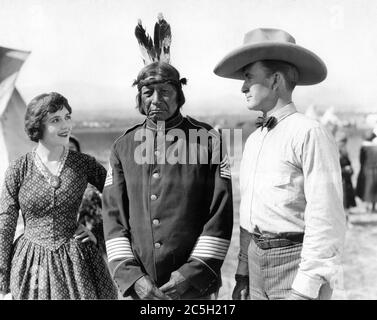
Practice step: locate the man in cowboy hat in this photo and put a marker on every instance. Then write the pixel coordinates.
(291, 215)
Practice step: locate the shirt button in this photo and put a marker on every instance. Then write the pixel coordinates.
(157, 245)
(153, 197)
(157, 153)
(156, 175)
(156, 222)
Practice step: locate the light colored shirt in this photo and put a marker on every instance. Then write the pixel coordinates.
(290, 181)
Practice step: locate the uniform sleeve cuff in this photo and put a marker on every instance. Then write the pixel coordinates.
(125, 275)
(200, 276)
(307, 285)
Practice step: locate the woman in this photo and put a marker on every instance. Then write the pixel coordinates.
(347, 172)
(55, 258)
(74, 144)
(366, 188)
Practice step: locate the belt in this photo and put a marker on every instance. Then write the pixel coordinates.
(278, 240)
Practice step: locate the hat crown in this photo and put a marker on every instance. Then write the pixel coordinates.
(272, 44)
(267, 34)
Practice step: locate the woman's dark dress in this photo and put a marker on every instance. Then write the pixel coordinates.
(366, 188)
(348, 191)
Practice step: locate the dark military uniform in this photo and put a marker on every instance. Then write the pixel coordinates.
(163, 216)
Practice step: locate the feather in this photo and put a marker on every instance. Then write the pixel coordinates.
(162, 39)
(148, 52)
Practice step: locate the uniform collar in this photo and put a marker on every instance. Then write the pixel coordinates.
(169, 124)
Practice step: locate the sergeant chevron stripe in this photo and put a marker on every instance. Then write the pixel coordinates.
(211, 247)
(225, 168)
(109, 177)
(119, 248)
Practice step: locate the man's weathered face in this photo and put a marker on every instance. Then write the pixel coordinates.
(159, 101)
(257, 88)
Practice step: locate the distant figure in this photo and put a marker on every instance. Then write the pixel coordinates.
(366, 188)
(74, 144)
(347, 172)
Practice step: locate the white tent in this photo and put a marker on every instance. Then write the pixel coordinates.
(312, 112)
(13, 139)
(330, 118)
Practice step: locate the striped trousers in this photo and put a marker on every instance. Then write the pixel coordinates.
(272, 271)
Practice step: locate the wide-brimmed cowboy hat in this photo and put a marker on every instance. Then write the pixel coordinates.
(272, 44)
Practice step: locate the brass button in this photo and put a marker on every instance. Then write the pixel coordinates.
(156, 222)
(153, 197)
(157, 245)
(157, 153)
(156, 175)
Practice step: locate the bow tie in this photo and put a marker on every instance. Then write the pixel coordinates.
(268, 122)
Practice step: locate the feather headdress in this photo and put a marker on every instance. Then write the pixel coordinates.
(159, 49)
(156, 56)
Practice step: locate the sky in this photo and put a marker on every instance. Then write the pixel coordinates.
(86, 49)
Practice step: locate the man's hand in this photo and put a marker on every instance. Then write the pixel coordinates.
(348, 169)
(176, 286)
(146, 289)
(241, 289)
(84, 234)
(295, 295)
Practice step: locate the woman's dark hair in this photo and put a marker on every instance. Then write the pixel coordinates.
(37, 110)
(159, 72)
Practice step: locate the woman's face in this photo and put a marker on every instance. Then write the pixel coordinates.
(57, 128)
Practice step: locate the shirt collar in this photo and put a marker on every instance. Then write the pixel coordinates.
(169, 124)
(284, 112)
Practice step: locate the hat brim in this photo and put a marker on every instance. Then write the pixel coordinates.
(311, 68)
